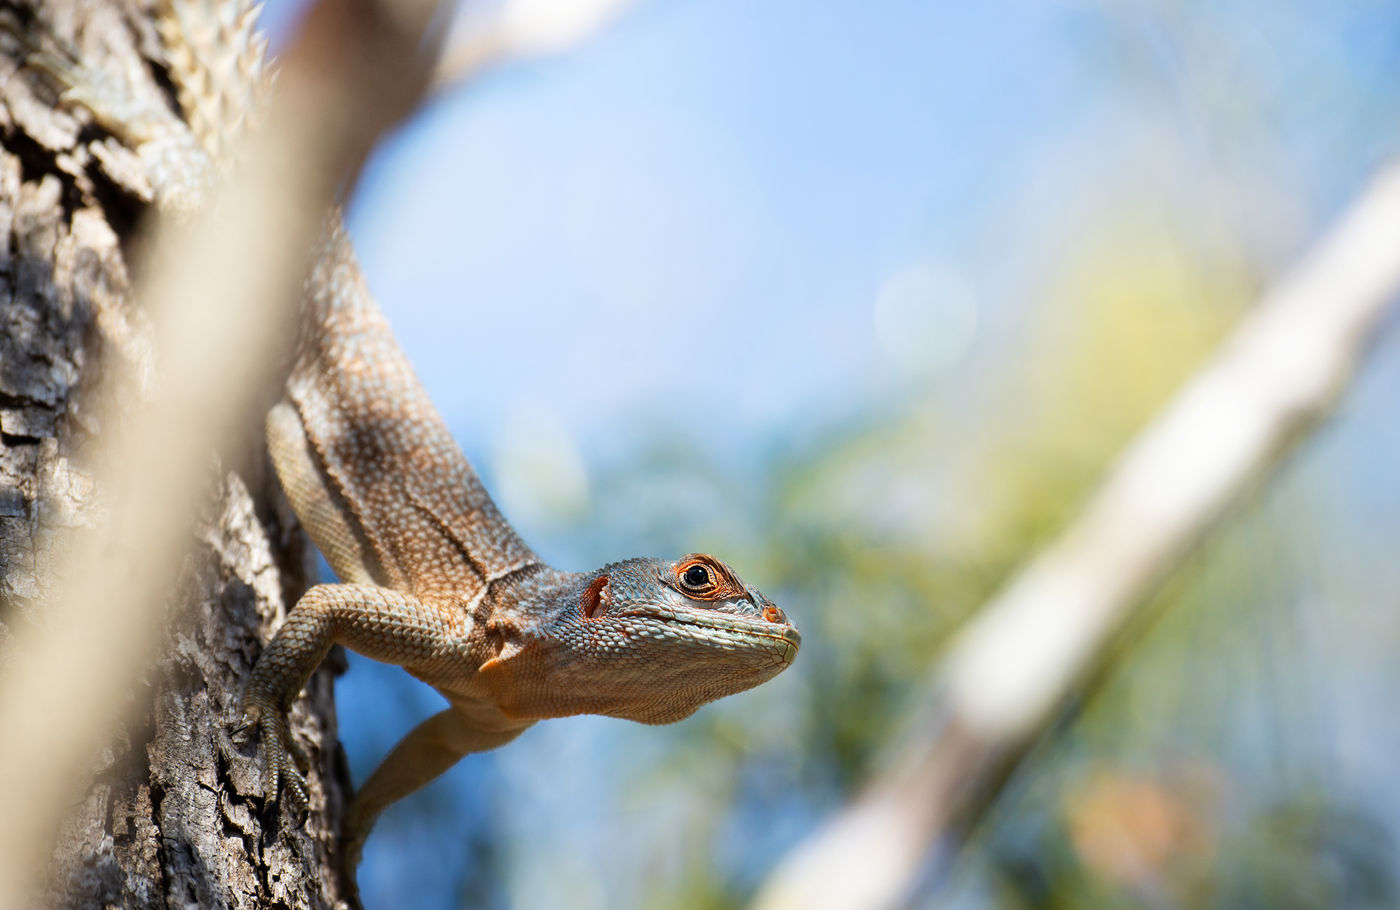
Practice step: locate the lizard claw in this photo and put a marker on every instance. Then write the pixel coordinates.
(286, 761)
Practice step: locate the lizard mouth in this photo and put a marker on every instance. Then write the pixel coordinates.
(723, 629)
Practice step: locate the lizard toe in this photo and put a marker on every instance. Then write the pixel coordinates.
(297, 754)
(294, 783)
(284, 760)
(247, 718)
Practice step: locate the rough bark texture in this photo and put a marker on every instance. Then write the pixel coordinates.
(174, 816)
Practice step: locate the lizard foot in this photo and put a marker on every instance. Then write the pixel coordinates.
(286, 762)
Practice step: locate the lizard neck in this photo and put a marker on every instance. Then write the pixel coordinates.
(524, 608)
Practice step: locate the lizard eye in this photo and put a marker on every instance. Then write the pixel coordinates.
(697, 577)
(705, 578)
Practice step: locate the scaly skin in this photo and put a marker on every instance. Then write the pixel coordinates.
(433, 578)
(440, 584)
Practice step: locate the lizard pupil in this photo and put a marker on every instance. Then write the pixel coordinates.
(697, 576)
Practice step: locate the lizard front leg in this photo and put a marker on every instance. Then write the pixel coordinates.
(428, 750)
(376, 622)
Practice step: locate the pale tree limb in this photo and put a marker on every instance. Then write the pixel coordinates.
(1010, 673)
(489, 32)
(222, 292)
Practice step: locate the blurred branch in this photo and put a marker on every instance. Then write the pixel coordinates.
(487, 33)
(222, 292)
(1010, 673)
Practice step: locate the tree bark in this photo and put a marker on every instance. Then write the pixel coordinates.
(174, 815)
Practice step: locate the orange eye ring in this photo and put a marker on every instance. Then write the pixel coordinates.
(706, 578)
(696, 577)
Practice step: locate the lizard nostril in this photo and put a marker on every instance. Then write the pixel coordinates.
(773, 614)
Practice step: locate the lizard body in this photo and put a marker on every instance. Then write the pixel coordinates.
(432, 577)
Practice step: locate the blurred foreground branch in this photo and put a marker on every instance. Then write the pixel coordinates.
(222, 293)
(1011, 672)
(486, 33)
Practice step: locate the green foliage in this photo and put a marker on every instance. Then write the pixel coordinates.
(882, 535)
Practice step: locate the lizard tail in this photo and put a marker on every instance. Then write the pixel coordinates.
(217, 60)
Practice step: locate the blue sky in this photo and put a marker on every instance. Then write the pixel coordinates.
(701, 205)
(682, 216)
(691, 219)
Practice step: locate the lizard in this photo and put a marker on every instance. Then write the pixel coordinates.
(430, 575)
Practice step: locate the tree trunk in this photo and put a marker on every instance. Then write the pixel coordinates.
(174, 815)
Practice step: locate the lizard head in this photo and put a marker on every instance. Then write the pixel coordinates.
(649, 640)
